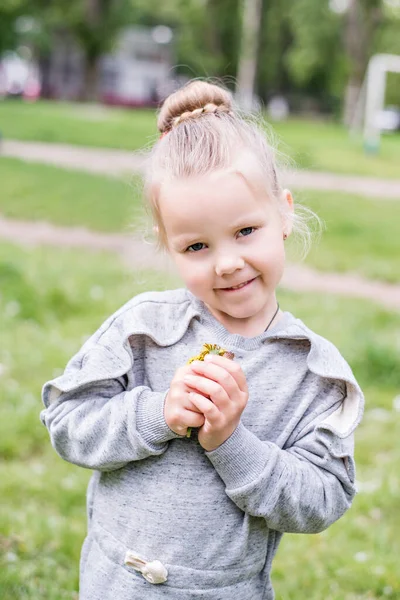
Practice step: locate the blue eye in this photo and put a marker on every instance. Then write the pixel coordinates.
(246, 231)
(195, 247)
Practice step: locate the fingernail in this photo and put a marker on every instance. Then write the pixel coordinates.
(208, 357)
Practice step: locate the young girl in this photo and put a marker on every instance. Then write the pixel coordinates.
(180, 516)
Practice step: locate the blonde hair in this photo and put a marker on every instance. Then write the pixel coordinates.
(202, 131)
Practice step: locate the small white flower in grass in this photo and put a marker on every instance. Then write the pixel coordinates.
(3, 369)
(12, 308)
(334, 586)
(396, 404)
(38, 468)
(361, 557)
(387, 590)
(380, 415)
(375, 514)
(368, 487)
(379, 570)
(11, 557)
(55, 521)
(69, 482)
(96, 292)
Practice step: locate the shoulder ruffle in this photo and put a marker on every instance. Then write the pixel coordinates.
(325, 360)
(162, 316)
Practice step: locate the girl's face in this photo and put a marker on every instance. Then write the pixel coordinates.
(228, 246)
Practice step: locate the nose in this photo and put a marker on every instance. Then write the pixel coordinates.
(228, 263)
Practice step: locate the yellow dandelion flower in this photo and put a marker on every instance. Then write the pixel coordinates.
(209, 349)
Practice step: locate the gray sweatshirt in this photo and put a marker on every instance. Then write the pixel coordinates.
(167, 519)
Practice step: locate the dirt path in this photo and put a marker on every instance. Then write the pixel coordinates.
(138, 254)
(116, 163)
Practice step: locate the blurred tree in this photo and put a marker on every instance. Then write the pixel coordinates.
(10, 10)
(207, 33)
(298, 42)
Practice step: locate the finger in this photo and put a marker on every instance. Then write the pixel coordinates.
(188, 404)
(208, 408)
(218, 374)
(194, 419)
(208, 387)
(231, 366)
(182, 392)
(181, 372)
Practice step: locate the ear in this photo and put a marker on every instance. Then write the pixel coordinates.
(288, 203)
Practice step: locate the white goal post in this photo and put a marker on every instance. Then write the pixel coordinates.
(375, 85)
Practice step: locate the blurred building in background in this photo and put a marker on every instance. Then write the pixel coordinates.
(133, 74)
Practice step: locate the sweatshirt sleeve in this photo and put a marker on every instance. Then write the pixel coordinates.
(94, 421)
(303, 488)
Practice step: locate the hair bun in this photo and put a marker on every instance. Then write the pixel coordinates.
(191, 101)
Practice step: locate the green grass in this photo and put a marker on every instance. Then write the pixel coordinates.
(361, 234)
(51, 303)
(70, 198)
(319, 145)
(78, 124)
(325, 146)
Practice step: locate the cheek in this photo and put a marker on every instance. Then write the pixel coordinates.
(194, 273)
(269, 249)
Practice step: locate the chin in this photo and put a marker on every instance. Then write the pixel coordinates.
(240, 313)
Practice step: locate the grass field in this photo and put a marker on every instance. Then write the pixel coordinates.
(323, 146)
(51, 302)
(360, 234)
(80, 124)
(70, 198)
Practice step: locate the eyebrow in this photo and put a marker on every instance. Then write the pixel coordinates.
(185, 240)
(248, 219)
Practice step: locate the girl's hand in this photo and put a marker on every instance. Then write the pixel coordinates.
(179, 412)
(219, 391)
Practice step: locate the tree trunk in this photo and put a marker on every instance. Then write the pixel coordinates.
(96, 14)
(91, 83)
(247, 66)
(361, 24)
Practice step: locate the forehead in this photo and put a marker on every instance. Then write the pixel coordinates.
(221, 197)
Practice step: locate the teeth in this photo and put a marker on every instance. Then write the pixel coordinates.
(237, 287)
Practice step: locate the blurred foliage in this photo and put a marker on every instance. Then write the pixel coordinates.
(10, 10)
(305, 51)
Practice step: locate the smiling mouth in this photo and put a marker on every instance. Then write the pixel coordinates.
(238, 287)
